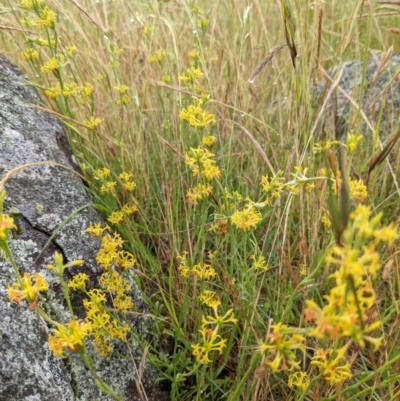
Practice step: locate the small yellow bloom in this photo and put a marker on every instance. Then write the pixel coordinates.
(210, 299)
(30, 54)
(191, 75)
(129, 210)
(108, 187)
(183, 267)
(70, 50)
(246, 219)
(6, 222)
(331, 365)
(70, 90)
(53, 91)
(352, 141)
(46, 18)
(203, 271)
(218, 320)
(129, 186)
(104, 172)
(157, 57)
(50, 66)
(259, 262)
(281, 347)
(93, 122)
(125, 260)
(70, 336)
(78, 282)
(116, 218)
(28, 289)
(299, 380)
(208, 140)
(202, 163)
(211, 341)
(199, 192)
(96, 230)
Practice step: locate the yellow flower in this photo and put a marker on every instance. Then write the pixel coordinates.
(203, 271)
(129, 210)
(191, 75)
(70, 50)
(86, 91)
(259, 262)
(46, 18)
(28, 289)
(210, 299)
(197, 117)
(125, 176)
(246, 219)
(104, 172)
(6, 222)
(125, 260)
(331, 365)
(358, 190)
(93, 122)
(50, 66)
(78, 281)
(326, 221)
(158, 56)
(96, 230)
(199, 192)
(30, 54)
(281, 347)
(108, 187)
(31, 4)
(70, 90)
(116, 218)
(53, 91)
(122, 302)
(183, 267)
(211, 341)
(202, 163)
(299, 380)
(70, 336)
(273, 186)
(129, 186)
(218, 320)
(121, 89)
(352, 141)
(208, 140)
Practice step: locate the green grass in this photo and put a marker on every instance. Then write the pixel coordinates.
(262, 127)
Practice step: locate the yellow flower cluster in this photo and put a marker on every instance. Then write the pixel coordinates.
(210, 339)
(299, 380)
(346, 312)
(200, 191)
(111, 252)
(69, 337)
(201, 270)
(105, 326)
(93, 122)
(281, 348)
(191, 75)
(202, 163)
(27, 289)
(196, 114)
(124, 97)
(157, 57)
(50, 66)
(247, 218)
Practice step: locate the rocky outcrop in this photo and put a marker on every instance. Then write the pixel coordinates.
(52, 211)
(376, 83)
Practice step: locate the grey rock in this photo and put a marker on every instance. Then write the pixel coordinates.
(40, 198)
(378, 89)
